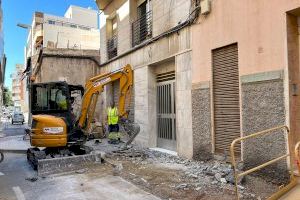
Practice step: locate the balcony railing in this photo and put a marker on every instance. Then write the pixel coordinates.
(142, 29)
(112, 47)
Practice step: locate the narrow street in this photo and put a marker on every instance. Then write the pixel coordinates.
(14, 169)
(12, 129)
(149, 100)
(18, 181)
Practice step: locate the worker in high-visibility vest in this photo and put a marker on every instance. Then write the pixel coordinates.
(61, 101)
(113, 126)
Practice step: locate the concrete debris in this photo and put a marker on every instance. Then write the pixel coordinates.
(81, 171)
(143, 180)
(31, 179)
(218, 176)
(117, 169)
(213, 173)
(198, 188)
(223, 180)
(181, 186)
(241, 187)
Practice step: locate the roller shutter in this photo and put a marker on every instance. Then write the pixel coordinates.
(226, 97)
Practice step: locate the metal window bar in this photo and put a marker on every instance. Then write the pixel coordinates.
(112, 47)
(166, 114)
(142, 29)
(282, 190)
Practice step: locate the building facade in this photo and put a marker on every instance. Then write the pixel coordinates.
(154, 37)
(231, 72)
(78, 29)
(245, 77)
(18, 88)
(2, 56)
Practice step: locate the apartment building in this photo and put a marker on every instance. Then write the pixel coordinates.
(245, 78)
(154, 37)
(77, 29)
(18, 86)
(233, 72)
(2, 56)
(63, 48)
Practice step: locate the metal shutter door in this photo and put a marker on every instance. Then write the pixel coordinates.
(226, 97)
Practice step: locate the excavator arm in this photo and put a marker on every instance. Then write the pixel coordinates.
(95, 86)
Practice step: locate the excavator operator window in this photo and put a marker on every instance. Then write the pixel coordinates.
(58, 100)
(49, 97)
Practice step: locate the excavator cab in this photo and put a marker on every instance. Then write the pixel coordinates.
(56, 104)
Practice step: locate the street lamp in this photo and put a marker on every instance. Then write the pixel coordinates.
(28, 27)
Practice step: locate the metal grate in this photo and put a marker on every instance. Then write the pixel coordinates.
(226, 97)
(142, 29)
(165, 76)
(112, 47)
(166, 112)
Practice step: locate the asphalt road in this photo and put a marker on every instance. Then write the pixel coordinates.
(9, 129)
(18, 181)
(14, 169)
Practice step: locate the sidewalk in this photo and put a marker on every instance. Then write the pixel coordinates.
(14, 143)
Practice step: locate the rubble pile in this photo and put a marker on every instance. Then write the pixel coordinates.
(199, 173)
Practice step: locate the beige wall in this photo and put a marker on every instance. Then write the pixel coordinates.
(166, 14)
(73, 38)
(166, 54)
(259, 28)
(75, 70)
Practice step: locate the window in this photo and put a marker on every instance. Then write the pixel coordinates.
(73, 26)
(51, 22)
(84, 28)
(142, 27)
(40, 100)
(49, 98)
(112, 42)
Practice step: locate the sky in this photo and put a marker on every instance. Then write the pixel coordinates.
(21, 11)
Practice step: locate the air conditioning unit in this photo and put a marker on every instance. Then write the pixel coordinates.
(205, 6)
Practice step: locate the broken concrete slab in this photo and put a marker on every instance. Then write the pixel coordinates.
(52, 166)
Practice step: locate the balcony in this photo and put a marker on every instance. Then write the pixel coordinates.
(142, 29)
(112, 47)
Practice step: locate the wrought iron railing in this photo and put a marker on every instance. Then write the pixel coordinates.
(112, 47)
(142, 29)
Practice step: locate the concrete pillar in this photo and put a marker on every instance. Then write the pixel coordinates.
(184, 105)
(145, 106)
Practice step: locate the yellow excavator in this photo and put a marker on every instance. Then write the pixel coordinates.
(55, 125)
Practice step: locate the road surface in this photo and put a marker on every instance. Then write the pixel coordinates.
(18, 179)
(9, 129)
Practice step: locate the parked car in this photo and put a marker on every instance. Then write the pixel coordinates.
(17, 117)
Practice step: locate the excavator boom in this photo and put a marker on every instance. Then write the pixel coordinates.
(96, 85)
